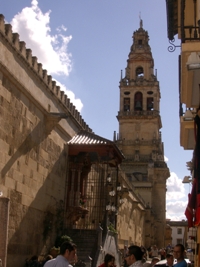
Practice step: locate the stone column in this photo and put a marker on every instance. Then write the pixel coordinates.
(71, 193)
(78, 188)
(4, 215)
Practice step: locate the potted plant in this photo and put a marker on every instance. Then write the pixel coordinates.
(61, 239)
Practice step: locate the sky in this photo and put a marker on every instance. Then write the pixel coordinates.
(84, 45)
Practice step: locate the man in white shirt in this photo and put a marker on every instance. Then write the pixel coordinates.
(134, 256)
(154, 252)
(66, 257)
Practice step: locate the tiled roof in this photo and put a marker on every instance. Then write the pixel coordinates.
(87, 138)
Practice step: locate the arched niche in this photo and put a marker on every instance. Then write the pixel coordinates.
(138, 101)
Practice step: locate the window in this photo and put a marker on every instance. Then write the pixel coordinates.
(140, 42)
(179, 241)
(139, 72)
(138, 101)
(149, 103)
(179, 231)
(127, 104)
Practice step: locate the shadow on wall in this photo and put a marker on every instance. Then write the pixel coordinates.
(39, 133)
(45, 185)
(31, 233)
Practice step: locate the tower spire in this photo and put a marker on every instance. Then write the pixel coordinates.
(141, 22)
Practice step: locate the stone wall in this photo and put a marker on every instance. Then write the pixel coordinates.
(33, 150)
(33, 170)
(130, 223)
(4, 212)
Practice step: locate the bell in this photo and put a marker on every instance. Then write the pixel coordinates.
(150, 106)
(138, 105)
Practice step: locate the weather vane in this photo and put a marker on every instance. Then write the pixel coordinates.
(141, 22)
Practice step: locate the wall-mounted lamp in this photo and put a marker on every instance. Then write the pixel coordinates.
(108, 206)
(112, 193)
(113, 208)
(119, 188)
(193, 62)
(121, 200)
(188, 116)
(108, 178)
(187, 180)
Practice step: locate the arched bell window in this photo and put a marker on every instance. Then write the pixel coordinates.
(139, 72)
(126, 104)
(150, 103)
(138, 101)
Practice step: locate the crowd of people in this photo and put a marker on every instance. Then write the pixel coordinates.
(134, 256)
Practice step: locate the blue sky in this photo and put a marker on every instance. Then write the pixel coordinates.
(84, 45)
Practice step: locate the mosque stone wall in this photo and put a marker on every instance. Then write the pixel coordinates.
(33, 151)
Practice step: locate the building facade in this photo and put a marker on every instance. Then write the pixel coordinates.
(179, 232)
(57, 176)
(183, 23)
(139, 136)
(37, 121)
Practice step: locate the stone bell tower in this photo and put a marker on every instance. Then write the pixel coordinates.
(139, 135)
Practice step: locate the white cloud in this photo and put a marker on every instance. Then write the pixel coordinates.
(176, 198)
(175, 188)
(33, 27)
(76, 101)
(51, 50)
(176, 210)
(166, 159)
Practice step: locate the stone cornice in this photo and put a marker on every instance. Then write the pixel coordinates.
(19, 48)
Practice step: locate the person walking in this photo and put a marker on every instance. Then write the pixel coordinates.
(179, 255)
(134, 256)
(154, 252)
(109, 261)
(153, 262)
(169, 263)
(66, 258)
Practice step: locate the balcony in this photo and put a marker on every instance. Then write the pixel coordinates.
(190, 79)
(187, 130)
(139, 113)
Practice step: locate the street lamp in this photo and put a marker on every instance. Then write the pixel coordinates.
(119, 188)
(108, 178)
(187, 180)
(112, 193)
(108, 206)
(193, 62)
(188, 116)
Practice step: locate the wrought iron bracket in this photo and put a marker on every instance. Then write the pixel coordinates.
(172, 46)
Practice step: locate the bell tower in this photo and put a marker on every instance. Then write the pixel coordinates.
(139, 135)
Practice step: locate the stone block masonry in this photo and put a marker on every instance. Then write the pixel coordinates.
(33, 160)
(4, 215)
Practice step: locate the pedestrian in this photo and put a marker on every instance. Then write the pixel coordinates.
(162, 253)
(109, 261)
(67, 256)
(47, 258)
(179, 255)
(169, 263)
(153, 262)
(169, 248)
(134, 256)
(154, 251)
(33, 262)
